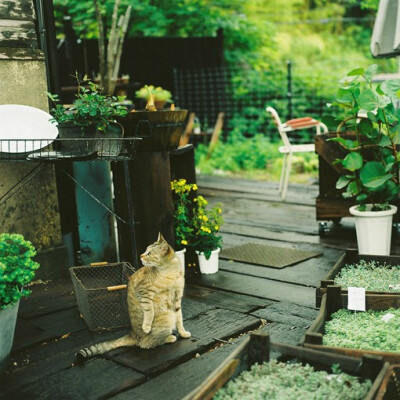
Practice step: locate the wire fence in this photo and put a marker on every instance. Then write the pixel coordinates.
(243, 95)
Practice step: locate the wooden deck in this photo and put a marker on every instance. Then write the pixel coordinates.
(239, 298)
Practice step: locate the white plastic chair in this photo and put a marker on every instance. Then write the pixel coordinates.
(288, 149)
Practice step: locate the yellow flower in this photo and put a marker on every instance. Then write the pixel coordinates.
(205, 219)
(216, 227)
(181, 182)
(219, 210)
(184, 242)
(194, 187)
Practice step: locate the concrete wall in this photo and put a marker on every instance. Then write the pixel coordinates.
(33, 211)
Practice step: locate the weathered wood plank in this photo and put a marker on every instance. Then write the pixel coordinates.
(288, 313)
(235, 302)
(184, 377)
(263, 288)
(192, 309)
(221, 324)
(17, 34)
(16, 9)
(20, 53)
(33, 364)
(31, 309)
(50, 326)
(82, 383)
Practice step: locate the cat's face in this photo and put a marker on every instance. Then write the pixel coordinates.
(156, 253)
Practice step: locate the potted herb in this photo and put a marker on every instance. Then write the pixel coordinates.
(183, 218)
(206, 239)
(16, 270)
(90, 113)
(161, 129)
(370, 162)
(160, 96)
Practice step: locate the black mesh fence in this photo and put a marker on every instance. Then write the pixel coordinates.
(243, 95)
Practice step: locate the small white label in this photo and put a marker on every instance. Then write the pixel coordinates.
(395, 287)
(356, 299)
(387, 317)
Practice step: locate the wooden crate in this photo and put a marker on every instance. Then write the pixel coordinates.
(333, 300)
(351, 256)
(257, 349)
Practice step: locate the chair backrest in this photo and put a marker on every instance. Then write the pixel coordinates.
(278, 123)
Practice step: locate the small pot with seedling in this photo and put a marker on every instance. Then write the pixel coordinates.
(160, 129)
(371, 159)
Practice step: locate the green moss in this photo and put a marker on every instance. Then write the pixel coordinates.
(275, 380)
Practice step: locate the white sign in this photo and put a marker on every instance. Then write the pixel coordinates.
(387, 317)
(356, 299)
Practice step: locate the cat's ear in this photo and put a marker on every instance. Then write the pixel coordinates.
(165, 248)
(160, 238)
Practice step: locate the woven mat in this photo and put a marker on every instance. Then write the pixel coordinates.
(268, 256)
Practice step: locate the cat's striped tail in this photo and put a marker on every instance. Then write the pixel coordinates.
(101, 348)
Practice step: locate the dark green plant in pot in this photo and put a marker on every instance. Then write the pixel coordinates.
(91, 108)
(371, 159)
(16, 267)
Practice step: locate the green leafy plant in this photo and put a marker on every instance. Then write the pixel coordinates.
(371, 159)
(206, 225)
(158, 92)
(370, 275)
(16, 267)
(90, 107)
(183, 222)
(363, 330)
(277, 380)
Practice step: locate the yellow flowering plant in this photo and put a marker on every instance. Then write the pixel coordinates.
(183, 194)
(206, 225)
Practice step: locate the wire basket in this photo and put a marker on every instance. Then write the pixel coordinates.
(101, 293)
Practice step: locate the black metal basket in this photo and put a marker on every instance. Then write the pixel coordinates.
(101, 293)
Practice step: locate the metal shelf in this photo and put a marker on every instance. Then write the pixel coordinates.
(79, 149)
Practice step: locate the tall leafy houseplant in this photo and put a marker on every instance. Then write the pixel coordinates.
(17, 269)
(370, 164)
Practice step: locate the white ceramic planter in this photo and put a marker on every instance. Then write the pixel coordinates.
(209, 266)
(374, 230)
(8, 319)
(181, 255)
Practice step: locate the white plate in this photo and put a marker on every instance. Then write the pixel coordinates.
(28, 123)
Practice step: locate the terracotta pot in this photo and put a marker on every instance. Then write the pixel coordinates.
(160, 130)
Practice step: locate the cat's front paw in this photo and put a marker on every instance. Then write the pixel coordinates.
(185, 334)
(146, 328)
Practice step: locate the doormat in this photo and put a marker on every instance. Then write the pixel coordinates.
(268, 256)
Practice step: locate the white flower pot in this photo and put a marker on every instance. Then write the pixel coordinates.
(181, 255)
(374, 230)
(8, 319)
(209, 266)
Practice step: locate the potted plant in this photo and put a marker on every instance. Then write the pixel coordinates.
(161, 129)
(206, 238)
(183, 218)
(16, 270)
(90, 113)
(370, 162)
(160, 96)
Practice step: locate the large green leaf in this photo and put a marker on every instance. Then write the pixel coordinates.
(353, 161)
(343, 181)
(391, 87)
(356, 72)
(365, 127)
(373, 175)
(371, 71)
(369, 100)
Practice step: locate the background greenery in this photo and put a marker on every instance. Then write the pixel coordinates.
(323, 38)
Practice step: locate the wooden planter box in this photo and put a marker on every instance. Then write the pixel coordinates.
(334, 300)
(351, 257)
(390, 387)
(257, 349)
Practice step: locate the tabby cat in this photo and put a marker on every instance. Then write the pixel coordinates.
(154, 302)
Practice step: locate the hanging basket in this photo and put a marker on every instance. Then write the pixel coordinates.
(161, 130)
